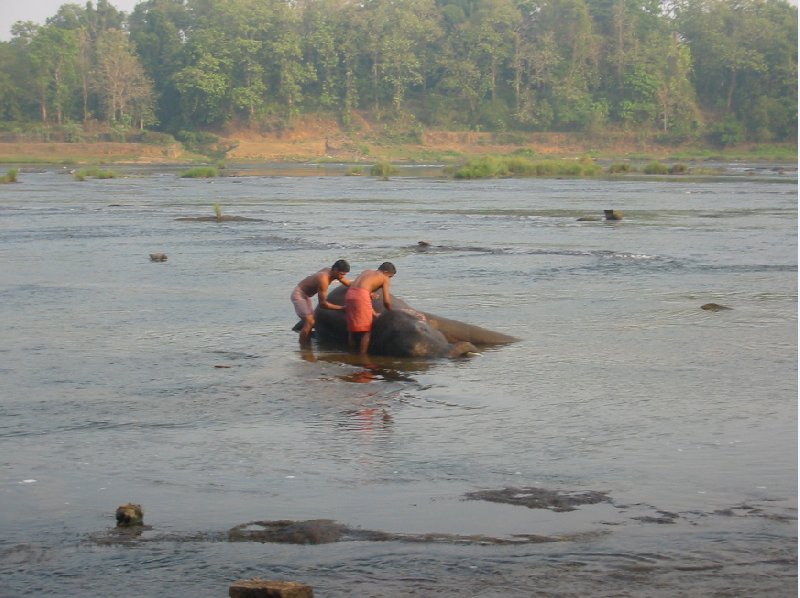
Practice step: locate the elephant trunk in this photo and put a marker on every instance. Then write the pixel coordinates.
(455, 331)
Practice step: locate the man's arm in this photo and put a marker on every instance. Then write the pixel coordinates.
(387, 299)
(322, 294)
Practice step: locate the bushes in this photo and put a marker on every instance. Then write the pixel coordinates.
(94, 172)
(678, 169)
(520, 166)
(204, 143)
(515, 165)
(728, 132)
(620, 168)
(10, 176)
(656, 167)
(383, 169)
(200, 172)
(156, 138)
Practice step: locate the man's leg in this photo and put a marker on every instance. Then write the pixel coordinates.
(305, 333)
(365, 342)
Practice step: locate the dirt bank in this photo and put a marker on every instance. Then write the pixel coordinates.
(317, 139)
(91, 153)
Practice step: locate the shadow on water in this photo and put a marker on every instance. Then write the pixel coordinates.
(374, 367)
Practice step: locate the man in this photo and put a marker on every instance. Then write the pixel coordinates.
(317, 284)
(358, 303)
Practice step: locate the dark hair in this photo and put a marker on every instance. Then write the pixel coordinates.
(387, 267)
(341, 266)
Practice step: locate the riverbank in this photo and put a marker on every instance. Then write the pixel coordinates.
(320, 140)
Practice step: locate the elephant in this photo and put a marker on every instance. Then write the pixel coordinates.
(405, 332)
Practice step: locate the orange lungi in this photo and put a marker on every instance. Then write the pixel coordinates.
(358, 310)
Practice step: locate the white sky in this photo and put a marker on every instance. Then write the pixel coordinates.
(37, 11)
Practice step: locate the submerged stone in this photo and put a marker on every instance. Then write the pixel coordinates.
(541, 498)
(268, 588)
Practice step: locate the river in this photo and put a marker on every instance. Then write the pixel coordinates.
(180, 385)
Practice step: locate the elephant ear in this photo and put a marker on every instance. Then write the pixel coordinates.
(399, 334)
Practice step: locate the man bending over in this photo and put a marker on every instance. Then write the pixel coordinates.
(316, 284)
(358, 303)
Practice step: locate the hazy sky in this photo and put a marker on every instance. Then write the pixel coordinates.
(37, 11)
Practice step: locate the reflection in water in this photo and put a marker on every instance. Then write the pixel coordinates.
(308, 355)
(360, 377)
(368, 420)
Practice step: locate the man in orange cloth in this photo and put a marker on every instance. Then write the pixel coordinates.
(358, 302)
(317, 284)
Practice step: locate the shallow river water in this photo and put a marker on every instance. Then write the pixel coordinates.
(180, 386)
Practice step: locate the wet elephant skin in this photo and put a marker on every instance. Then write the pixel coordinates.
(400, 333)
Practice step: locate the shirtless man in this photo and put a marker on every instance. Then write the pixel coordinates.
(317, 284)
(358, 303)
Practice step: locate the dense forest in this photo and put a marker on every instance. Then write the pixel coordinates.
(719, 70)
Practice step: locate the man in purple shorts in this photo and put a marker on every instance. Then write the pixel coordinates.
(317, 284)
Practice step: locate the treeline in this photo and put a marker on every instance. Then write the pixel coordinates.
(724, 69)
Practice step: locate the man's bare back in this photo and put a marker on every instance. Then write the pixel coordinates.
(358, 305)
(371, 280)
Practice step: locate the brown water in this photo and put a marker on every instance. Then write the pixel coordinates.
(110, 389)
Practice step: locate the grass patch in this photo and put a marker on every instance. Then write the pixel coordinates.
(383, 169)
(10, 176)
(621, 168)
(783, 152)
(704, 171)
(678, 168)
(521, 166)
(656, 167)
(200, 172)
(94, 172)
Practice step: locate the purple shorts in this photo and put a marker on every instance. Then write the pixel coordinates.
(302, 303)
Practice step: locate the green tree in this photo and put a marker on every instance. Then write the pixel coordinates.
(204, 84)
(677, 104)
(574, 74)
(319, 29)
(12, 105)
(51, 53)
(158, 29)
(744, 55)
(410, 28)
(491, 30)
(290, 71)
(124, 89)
(461, 82)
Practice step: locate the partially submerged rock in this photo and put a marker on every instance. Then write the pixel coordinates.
(217, 219)
(541, 498)
(129, 514)
(269, 588)
(714, 307)
(327, 531)
(315, 531)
